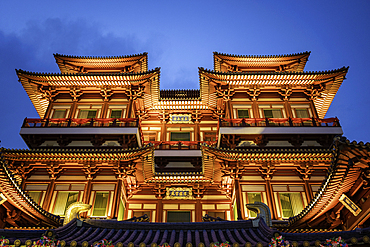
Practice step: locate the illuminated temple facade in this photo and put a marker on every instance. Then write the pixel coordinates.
(255, 131)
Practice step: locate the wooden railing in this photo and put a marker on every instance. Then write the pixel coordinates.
(180, 145)
(279, 122)
(80, 122)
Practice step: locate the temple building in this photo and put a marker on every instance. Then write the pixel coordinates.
(255, 131)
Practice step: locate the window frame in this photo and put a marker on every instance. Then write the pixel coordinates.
(70, 188)
(247, 198)
(237, 107)
(65, 206)
(106, 206)
(179, 211)
(279, 188)
(307, 107)
(109, 188)
(58, 107)
(113, 107)
(180, 132)
(83, 107)
(264, 107)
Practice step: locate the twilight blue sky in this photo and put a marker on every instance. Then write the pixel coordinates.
(180, 36)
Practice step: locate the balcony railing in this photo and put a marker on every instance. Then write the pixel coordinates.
(179, 145)
(79, 122)
(279, 122)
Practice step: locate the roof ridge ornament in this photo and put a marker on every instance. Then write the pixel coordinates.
(73, 211)
(263, 211)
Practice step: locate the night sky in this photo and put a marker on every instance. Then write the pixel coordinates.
(181, 36)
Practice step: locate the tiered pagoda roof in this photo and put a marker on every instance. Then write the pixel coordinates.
(41, 86)
(83, 64)
(328, 83)
(243, 63)
(264, 72)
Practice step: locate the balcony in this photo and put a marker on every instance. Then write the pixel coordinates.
(278, 128)
(36, 131)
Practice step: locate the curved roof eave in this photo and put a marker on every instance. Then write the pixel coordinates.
(75, 61)
(336, 183)
(20, 199)
(31, 80)
(299, 59)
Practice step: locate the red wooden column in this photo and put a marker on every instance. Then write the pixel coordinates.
(239, 201)
(270, 199)
(117, 197)
(49, 194)
(159, 211)
(308, 190)
(198, 211)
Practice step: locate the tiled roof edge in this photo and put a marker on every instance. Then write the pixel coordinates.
(75, 150)
(343, 69)
(20, 71)
(336, 149)
(262, 56)
(29, 200)
(268, 150)
(100, 57)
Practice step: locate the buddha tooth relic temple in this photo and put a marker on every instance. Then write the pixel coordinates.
(247, 157)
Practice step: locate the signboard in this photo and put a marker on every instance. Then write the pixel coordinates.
(180, 118)
(179, 193)
(350, 205)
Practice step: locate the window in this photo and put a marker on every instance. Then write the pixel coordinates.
(100, 205)
(116, 113)
(64, 199)
(291, 203)
(149, 136)
(180, 136)
(253, 197)
(178, 216)
(243, 113)
(272, 113)
(210, 136)
(87, 114)
(302, 113)
(59, 113)
(35, 195)
(37, 192)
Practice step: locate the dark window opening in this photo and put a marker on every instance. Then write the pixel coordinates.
(302, 113)
(178, 216)
(87, 114)
(180, 136)
(243, 113)
(59, 113)
(116, 114)
(272, 113)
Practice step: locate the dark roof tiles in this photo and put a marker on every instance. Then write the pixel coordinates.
(100, 57)
(343, 69)
(262, 56)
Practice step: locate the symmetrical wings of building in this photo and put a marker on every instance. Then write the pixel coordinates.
(255, 131)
